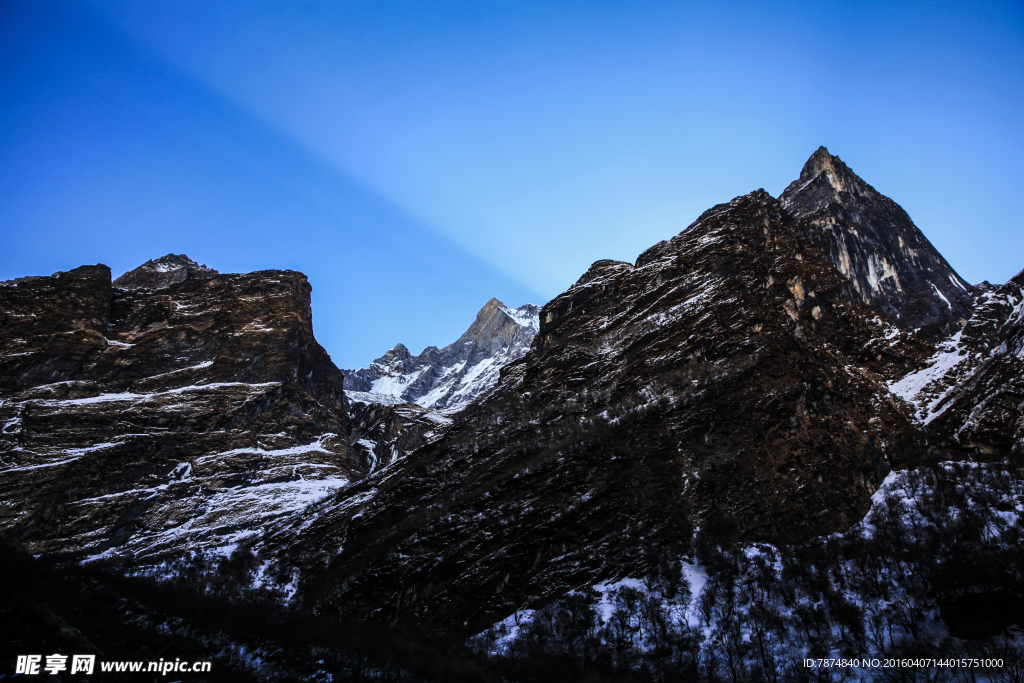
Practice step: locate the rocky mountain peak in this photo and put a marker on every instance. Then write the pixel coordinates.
(398, 353)
(822, 162)
(826, 179)
(874, 243)
(163, 272)
(452, 376)
(729, 372)
(495, 318)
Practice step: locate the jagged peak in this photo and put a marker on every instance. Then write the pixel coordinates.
(521, 316)
(489, 308)
(163, 272)
(820, 161)
(833, 171)
(875, 244)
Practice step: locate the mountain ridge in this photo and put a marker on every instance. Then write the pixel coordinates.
(174, 413)
(876, 245)
(762, 372)
(455, 375)
(732, 372)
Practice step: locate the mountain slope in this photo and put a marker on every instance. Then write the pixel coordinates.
(730, 374)
(455, 375)
(181, 411)
(872, 241)
(970, 396)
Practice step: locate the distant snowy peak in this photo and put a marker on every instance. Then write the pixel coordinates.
(455, 375)
(875, 244)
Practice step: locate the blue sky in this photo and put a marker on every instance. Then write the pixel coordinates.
(415, 159)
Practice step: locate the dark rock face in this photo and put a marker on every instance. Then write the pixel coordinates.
(973, 404)
(731, 372)
(49, 326)
(150, 419)
(460, 372)
(872, 241)
(996, 319)
(383, 433)
(163, 272)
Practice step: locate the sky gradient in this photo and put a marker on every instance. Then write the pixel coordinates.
(416, 159)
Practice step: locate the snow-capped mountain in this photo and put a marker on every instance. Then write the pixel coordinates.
(455, 375)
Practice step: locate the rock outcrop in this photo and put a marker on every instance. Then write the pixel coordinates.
(872, 241)
(49, 326)
(163, 272)
(181, 409)
(457, 374)
(382, 433)
(970, 395)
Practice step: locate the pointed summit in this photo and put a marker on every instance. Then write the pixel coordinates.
(826, 176)
(873, 242)
(399, 352)
(455, 375)
(819, 161)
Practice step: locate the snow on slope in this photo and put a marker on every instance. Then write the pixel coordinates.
(455, 375)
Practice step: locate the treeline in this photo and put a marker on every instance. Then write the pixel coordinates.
(935, 571)
(47, 608)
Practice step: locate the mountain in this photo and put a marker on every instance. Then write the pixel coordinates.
(768, 403)
(457, 374)
(173, 410)
(731, 375)
(872, 241)
(970, 396)
(163, 272)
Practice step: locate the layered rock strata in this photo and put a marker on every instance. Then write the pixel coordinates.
(181, 410)
(874, 243)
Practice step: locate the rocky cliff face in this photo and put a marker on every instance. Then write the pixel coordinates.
(732, 373)
(872, 241)
(179, 409)
(455, 375)
(50, 326)
(970, 396)
(382, 433)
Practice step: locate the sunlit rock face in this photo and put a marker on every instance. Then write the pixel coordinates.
(178, 409)
(453, 376)
(872, 241)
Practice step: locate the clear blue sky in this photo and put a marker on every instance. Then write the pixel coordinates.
(415, 159)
